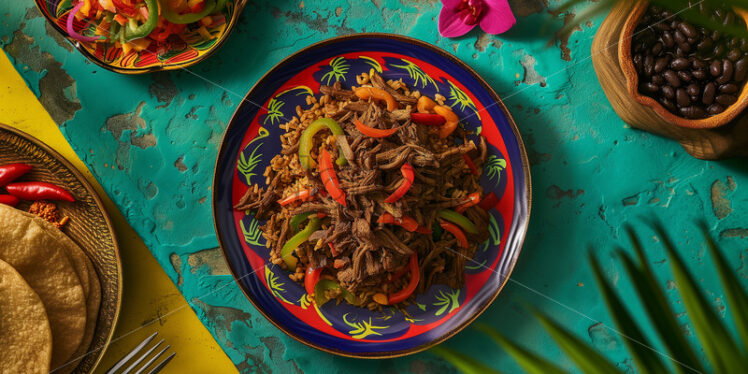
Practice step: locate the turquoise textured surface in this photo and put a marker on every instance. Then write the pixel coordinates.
(151, 141)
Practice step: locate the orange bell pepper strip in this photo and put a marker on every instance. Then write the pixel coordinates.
(409, 177)
(303, 195)
(451, 120)
(405, 222)
(425, 104)
(372, 132)
(329, 179)
(366, 93)
(474, 200)
(455, 230)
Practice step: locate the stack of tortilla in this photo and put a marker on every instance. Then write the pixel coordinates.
(49, 296)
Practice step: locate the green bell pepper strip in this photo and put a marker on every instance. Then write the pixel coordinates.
(328, 284)
(298, 219)
(132, 32)
(290, 247)
(220, 4)
(114, 30)
(458, 219)
(181, 19)
(307, 137)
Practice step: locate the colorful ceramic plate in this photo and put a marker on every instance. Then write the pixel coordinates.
(252, 139)
(177, 53)
(89, 227)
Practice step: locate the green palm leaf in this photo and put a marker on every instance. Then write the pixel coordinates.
(529, 361)
(660, 312)
(463, 362)
(645, 357)
(586, 358)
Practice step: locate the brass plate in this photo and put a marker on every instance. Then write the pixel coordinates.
(89, 227)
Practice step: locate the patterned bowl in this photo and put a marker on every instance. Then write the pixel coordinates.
(252, 139)
(177, 53)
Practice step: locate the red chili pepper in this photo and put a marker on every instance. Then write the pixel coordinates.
(406, 222)
(329, 179)
(11, 172)
(489, 201)
(470, 164)
(427, 119)
(311, 278)
(9, 200)
(415, 276)
(372, 132)
(303, 195)
(474, 200)
(409, 177)
(38, 191)
(125, 8)
(455, 230)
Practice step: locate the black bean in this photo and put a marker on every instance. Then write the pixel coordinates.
(716, 35)
(715, 109)
(727, 70)
(679, 37)
(693, 89)
(648, 65)
(667, 39)
(668, 104)
(719, 50)
(685, 76)
(692, 112)
(709, 91)
(699, 74)
(726, 100)
(699, 64)
(681, 97)
(668, 92)
(672, 78)
(741, 68)
(728, 88)
(679, 63)
(661, 63)
(705, 44)
(734, 55)
(744, 45)
(734, 42)
(658, 80)
(657, 48)
(662, 26)
(715, 69)
(688, 30)
(679, 52)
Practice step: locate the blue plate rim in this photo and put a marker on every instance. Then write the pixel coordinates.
(518, 227)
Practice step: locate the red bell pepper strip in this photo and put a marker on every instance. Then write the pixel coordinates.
(458, 234)
(489, 201)
(427, 119)
(372, 132)
(415, 277)
(329, 179)
(311, 278)
(470, 164)
(9, 200)
(11, 172)
(303, 195)
(474, 199)
(409, 177)
(125, 8)
(38, 191)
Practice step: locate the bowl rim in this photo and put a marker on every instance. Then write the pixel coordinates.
(107, 219)
(238, 4)
(522, 227)
(625, 60)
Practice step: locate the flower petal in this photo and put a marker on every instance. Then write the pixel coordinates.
(498, 17)
(451, 4)
(451, 24)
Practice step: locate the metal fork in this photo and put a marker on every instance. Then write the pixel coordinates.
(137, 359)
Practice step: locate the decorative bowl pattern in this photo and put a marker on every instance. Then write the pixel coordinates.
(176, 53)
(252, 139)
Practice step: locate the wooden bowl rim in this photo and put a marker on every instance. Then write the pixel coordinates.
(626, 62)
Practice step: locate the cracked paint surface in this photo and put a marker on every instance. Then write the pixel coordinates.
(151, 141)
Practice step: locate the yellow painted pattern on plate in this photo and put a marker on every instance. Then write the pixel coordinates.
(148, 292)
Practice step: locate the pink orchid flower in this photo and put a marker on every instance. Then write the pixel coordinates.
(460, 16)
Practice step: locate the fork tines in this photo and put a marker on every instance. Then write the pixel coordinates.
(134, 359)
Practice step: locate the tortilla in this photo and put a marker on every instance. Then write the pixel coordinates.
(27, 245)
(25, 336)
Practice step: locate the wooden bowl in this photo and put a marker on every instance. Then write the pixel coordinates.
(89, 227)
(721, 136)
